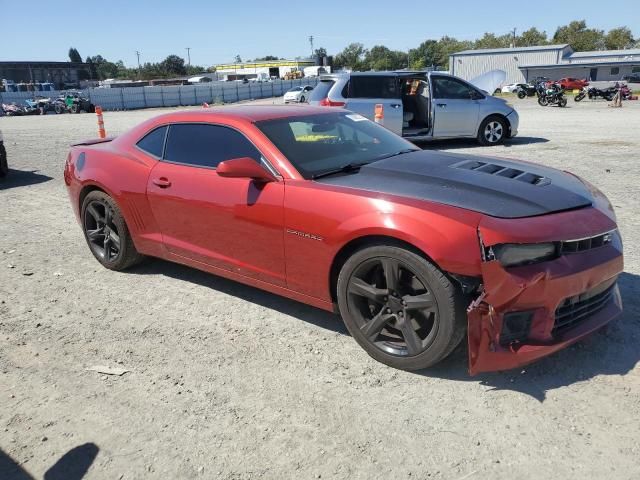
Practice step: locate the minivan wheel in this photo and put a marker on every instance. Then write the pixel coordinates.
(399, 307)
(492, 131)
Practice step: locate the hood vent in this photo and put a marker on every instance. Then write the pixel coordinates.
(501, 171)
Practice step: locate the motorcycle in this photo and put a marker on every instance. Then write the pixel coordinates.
(607, 93)
(551, 95)
(12, 110)
(583, 93)
(72, 102)
(525, 90)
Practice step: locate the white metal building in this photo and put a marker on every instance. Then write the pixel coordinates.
(554, 61)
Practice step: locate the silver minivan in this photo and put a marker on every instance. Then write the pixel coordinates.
(421, 105)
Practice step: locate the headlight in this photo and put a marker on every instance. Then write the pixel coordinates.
(514, 254)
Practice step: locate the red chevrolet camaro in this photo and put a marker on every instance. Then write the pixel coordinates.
(413, 248)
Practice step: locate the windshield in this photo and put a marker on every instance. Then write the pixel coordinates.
(319, 143)
(322, 90)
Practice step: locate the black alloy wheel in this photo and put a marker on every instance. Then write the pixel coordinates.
(399, 307)
(392, 307)
(106, 232)
(101, 232)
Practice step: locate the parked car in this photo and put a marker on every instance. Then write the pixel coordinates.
(328, 208)
(570, 83)
(298, 94)
(421, 106)
(4, 165)
(632, 78)
(510, 88)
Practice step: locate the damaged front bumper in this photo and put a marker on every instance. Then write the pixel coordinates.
(528, 312)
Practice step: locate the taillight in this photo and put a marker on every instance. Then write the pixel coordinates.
(325, 102)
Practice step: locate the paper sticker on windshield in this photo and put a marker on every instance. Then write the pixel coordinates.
(355, 117)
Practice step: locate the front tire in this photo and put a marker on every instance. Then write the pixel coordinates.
(542, 101)
(579, 97)
(521, 94)
(399, 307)
(106, 232)
(492, 131)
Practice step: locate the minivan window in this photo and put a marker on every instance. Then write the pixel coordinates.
(371, 86)
(321, 91)
(203, 145)
(153, 142)
(445, 87)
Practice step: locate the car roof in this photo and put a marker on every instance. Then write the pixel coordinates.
(250, 113)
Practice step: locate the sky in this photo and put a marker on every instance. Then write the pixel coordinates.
(217, 31)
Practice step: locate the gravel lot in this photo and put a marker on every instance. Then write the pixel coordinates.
(230, 382)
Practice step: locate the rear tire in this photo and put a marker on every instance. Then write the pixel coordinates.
(106, 232)
(521, 94)
(412, 325)
(493, 130)
(4, 165)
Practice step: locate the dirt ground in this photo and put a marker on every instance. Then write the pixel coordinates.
(227, 381)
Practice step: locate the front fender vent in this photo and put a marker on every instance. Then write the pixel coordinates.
(502, 171)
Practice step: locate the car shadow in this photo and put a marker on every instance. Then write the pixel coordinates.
(611, 351)
(472, 143)
(22, 178)
(315, 316)
(73, 465)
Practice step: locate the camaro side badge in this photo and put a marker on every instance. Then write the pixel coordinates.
(304, 235)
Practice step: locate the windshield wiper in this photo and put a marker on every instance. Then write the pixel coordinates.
(395, 154)
(349, 167)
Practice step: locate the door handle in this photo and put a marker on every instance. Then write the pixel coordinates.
(395, 105)
(162, 182)
(441, 105)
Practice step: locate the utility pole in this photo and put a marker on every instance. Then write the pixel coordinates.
(311, 43)
(513, 43)
(188, 49)
(138, 55)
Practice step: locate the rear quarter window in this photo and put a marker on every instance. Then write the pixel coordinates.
(321, 90)
(153, 142)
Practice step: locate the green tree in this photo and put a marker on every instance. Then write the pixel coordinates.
(532, 38)
(446, 47)
(381, 58)
(237, 59)
(351, 57)
(93, 73)
(173, 65)
(490, 40)
(579, 36)
(74, 56)
(619, 38)
(266, 58)
(424, 55)
(320, 52)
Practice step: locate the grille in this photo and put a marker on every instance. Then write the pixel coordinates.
(574, 310)
(574, 246)
(501, 171)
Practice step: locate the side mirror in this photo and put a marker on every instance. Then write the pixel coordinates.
(244, 167)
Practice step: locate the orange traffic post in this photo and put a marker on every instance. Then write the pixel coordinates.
(379, 114)
(101, 132)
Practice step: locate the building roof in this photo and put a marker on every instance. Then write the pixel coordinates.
(606, 53)
(613, 63)
(266, 64)
(488, 51)
(41, 63)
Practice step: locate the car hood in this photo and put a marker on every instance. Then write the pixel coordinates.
(493, 186)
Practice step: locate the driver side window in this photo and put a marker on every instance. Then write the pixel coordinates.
(203, 145)
(450, 88)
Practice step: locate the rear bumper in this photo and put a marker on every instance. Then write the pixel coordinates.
(543, 293)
